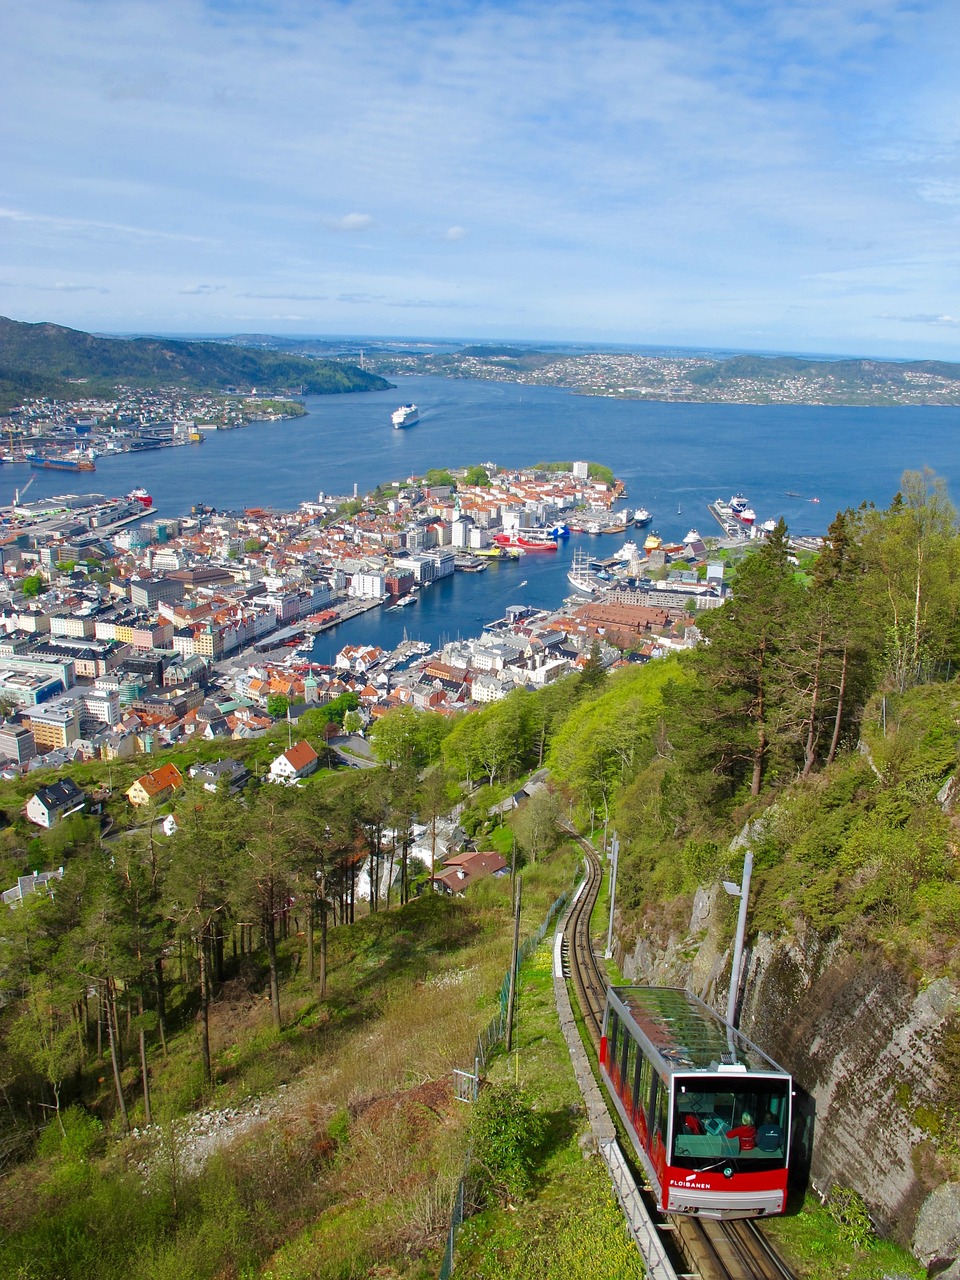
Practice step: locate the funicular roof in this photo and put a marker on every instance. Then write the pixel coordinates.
(687, 1034)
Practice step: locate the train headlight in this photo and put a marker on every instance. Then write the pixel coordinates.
(728, 1171)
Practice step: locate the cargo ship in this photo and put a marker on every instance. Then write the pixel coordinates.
(60, 464)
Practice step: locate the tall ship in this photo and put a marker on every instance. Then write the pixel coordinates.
(581, 577)
(405, 416)
(60, 464)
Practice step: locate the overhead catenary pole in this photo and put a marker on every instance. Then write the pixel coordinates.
(614, 857)
(512, 997)
(743, 893)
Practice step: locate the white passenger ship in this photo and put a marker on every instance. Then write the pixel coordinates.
(405, 416)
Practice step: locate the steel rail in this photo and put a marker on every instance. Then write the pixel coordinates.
(732, 1250)
(588, 977)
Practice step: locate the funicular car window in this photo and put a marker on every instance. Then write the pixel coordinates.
(628, 1056)
(613, 1030)
(752, 1110)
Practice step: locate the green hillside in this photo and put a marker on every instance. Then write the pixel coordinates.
(36, 359)
(823, 711)
(841, 375)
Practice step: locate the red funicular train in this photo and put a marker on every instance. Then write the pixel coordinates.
(709, 1113)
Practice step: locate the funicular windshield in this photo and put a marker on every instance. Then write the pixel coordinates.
(717, 1119)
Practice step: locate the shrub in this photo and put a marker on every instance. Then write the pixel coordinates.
(507, 1134)
(849, 1212)
(76, 1141)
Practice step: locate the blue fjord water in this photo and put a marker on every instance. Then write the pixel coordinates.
(674, 459)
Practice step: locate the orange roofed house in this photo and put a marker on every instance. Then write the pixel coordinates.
(155, 786)
(296, 762)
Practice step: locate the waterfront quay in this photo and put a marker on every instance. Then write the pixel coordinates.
(124, 631)
(72, 434)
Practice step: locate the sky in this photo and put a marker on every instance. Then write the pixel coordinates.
(750, 175)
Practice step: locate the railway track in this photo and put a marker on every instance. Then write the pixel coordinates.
(727, 1250)
(589, 978)
(710, 1250)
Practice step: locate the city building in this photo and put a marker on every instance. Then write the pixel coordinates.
(156, 786)
(52, 804)
(297, 762)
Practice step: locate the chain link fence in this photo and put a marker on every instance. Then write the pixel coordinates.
(491, 1036)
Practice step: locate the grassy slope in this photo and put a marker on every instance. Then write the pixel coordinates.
(356, 1166)
(354, 1173)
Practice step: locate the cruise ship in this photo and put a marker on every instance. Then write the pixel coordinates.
(405, 416)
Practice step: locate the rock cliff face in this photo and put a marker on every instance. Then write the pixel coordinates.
(857, 1037)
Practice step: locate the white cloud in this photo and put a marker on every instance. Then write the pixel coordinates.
(949, 322)
(87, 225)
(288, 297)
(350, 222)
(708, 167)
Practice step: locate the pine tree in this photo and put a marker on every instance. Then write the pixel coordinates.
(732, 724)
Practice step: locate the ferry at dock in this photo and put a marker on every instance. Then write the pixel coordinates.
(529, 540)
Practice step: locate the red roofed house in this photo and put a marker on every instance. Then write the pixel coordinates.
(155, 786)
(466, 869)
(296, 762)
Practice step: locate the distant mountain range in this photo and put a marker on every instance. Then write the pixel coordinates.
(49, 359)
